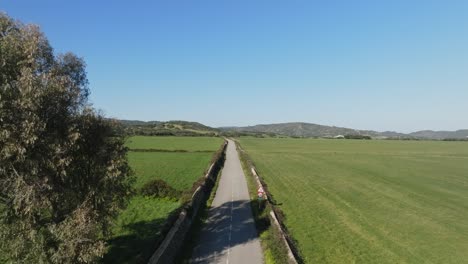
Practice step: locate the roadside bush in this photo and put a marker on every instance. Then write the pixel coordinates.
(160, 188)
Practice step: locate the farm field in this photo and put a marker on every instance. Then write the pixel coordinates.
(179, 170)
(352, 201)
(138, 227)
(208, 144)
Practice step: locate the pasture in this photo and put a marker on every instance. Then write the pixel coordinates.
(138, 227)
(352, 201)
(208, 144)
(180, 170)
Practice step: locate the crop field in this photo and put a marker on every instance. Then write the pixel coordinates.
(138, 227)
(352, 201)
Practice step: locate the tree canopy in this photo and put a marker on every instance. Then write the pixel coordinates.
(63, 169)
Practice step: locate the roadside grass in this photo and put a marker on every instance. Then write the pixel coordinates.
(274, 250)
(142, 225)
(352, 201)
(175, 143)
(138, 229)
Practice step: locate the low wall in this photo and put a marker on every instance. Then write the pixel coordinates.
(293, 253)
(173, 242)
(274, 218)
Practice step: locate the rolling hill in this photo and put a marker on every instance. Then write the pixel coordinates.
(459, 134)
(299, 129)
(167, 128)
(293, 129)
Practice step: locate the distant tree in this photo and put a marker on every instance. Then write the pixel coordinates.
(63, 170)
(355, 136)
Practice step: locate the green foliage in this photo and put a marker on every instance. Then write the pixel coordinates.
(353, 201)
(63, 172)
(159, 188)
(274, 250)
(356, 136)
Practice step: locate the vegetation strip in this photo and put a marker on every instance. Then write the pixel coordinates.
(168, 251)
(170, 150)
(277, 240)
(194, 233)
(288, 244)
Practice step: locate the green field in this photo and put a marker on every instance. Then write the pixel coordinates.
(138, 227)
(351, 201)
(180, 170)
(175, 143)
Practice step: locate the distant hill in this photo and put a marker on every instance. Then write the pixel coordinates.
(138, 122)
(167, 128)
(296, 129)
(299, 129)
(459, 134)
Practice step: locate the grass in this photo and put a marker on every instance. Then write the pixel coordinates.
(137, 230)
(274, 250)
(178, 169)
(175, 143)
(351, 201)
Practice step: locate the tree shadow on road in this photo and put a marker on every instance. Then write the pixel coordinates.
(220, 232)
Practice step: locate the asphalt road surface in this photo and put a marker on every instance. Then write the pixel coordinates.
(229, 235)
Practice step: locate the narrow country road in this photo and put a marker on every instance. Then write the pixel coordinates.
(229, 235)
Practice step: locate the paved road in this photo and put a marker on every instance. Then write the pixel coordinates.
(229, 236)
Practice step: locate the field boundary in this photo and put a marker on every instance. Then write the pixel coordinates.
(169, 248)
(169, 150)
(276, 215)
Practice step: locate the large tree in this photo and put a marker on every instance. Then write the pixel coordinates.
(63, 170)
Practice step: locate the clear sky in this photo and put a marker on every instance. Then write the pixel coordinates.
(382, 65)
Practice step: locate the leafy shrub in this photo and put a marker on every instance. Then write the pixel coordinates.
(160, 188)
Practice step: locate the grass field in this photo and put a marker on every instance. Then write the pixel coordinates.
(351, 201)
(180, 170)
(138, 227)
(175, 143)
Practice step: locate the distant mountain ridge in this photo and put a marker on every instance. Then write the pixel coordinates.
(459, 134)
(293, 129)
(301, 129)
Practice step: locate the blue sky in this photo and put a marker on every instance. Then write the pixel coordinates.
(382, 65)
